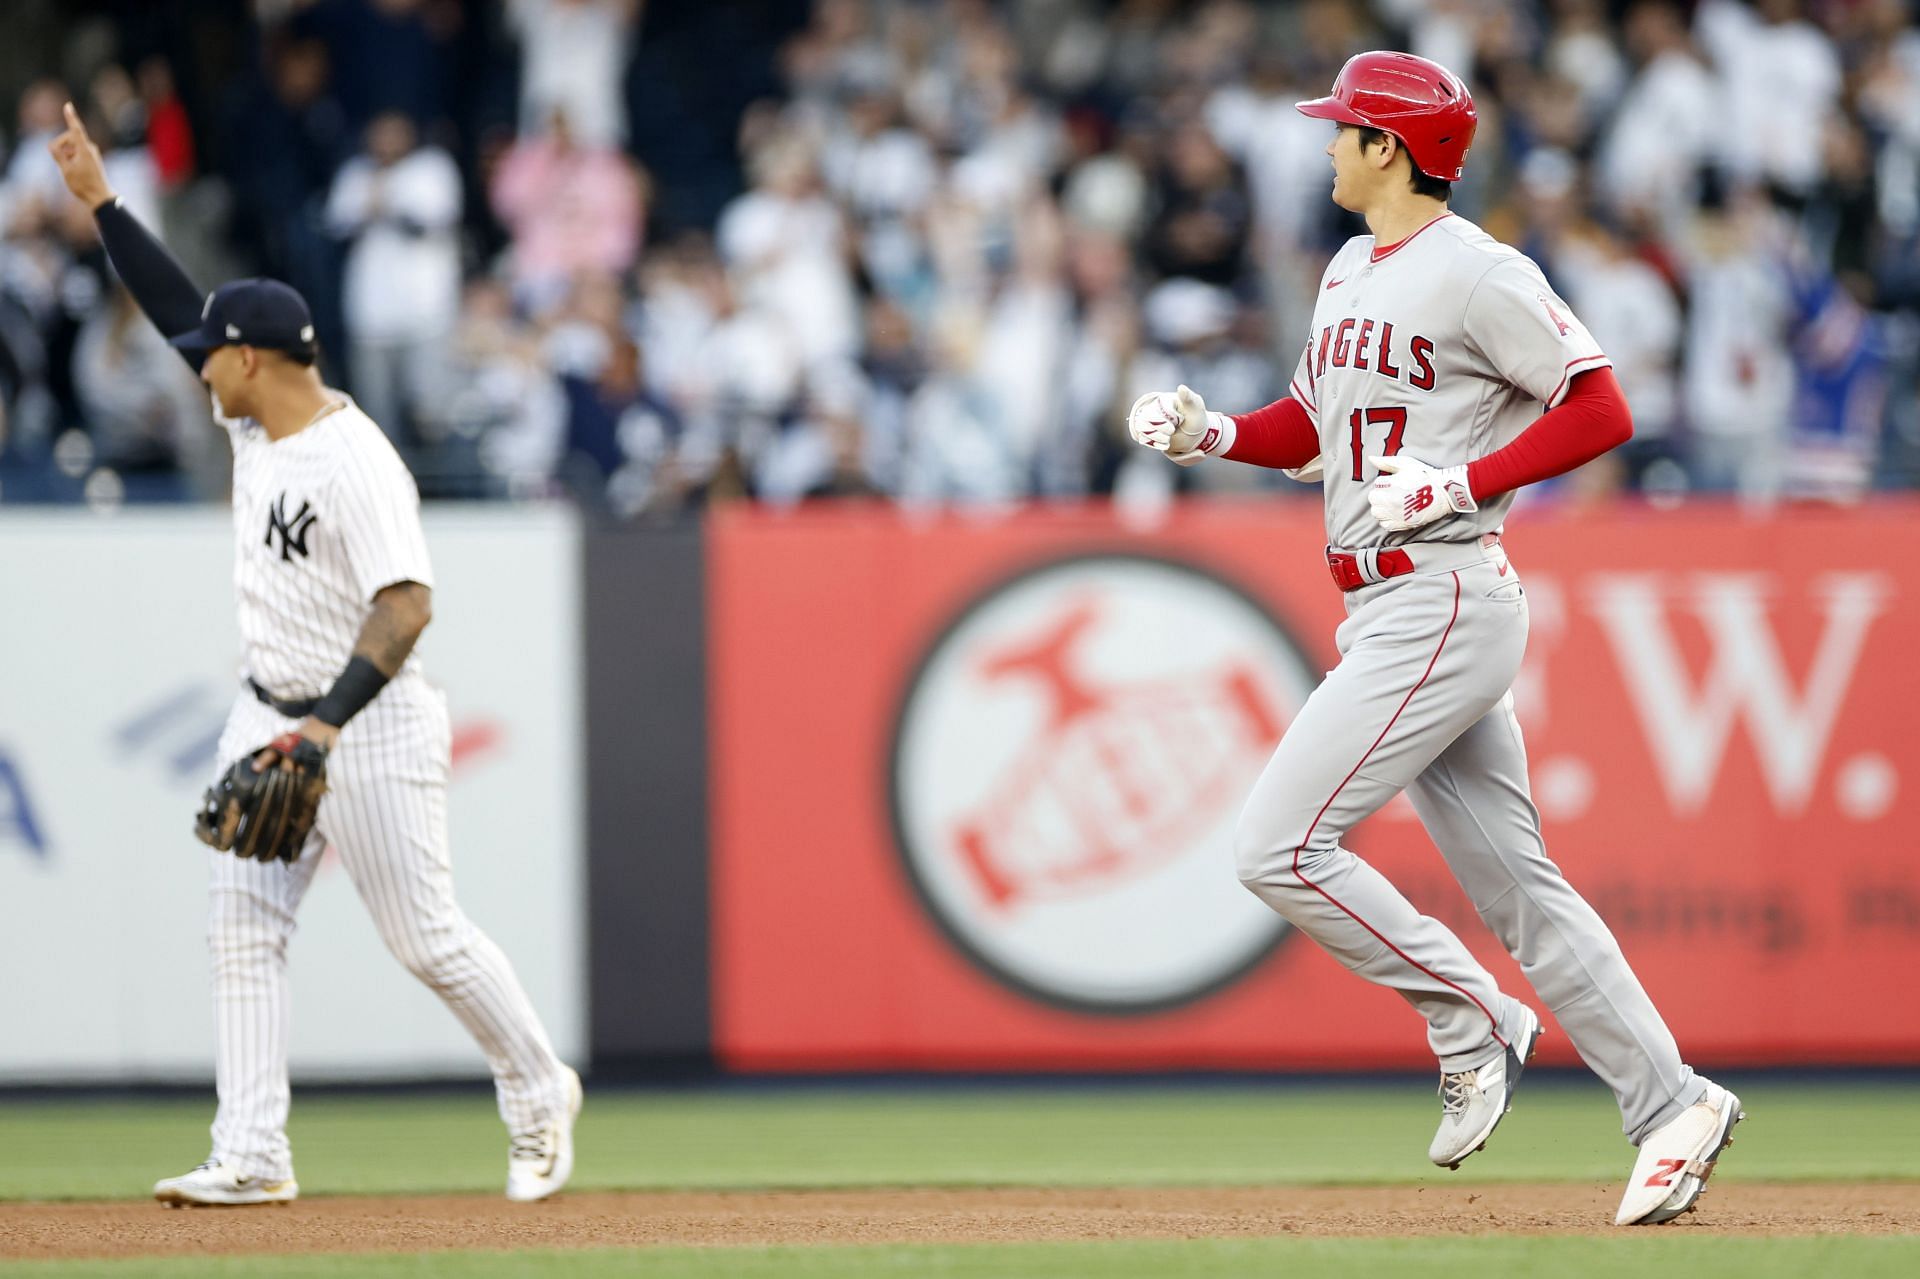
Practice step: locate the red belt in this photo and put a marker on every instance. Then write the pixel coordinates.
(1345, 568)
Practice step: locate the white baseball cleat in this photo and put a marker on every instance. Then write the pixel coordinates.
(540, 1160)
(214, 1185)
(1472, 1102)
(1677, 1158)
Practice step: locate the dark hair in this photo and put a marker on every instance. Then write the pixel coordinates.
(306, 357)
(1423, 183)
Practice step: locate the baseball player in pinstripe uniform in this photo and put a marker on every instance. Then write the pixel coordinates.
(334, 588)
(1418, 405)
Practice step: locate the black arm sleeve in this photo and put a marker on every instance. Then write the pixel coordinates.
(158, 283)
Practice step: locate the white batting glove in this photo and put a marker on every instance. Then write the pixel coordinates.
(1178, 424)
(1409, 493)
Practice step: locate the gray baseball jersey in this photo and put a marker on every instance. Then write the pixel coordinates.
(324, 519)
(1444, 347)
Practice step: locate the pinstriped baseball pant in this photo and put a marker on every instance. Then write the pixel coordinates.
(1420, 703)
(385, 813)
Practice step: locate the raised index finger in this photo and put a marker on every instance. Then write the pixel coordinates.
(73, 120)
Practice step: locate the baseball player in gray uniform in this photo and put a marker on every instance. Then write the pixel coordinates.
(1417, 404)
(334, 588)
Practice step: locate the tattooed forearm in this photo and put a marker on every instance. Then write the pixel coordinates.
(400, 613)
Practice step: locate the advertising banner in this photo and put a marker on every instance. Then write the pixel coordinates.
(118, 663)
(974, 781)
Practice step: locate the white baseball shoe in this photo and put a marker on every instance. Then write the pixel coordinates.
(214, 1185)
(1472, 1102)
(540, 1160)
(1677, 1158)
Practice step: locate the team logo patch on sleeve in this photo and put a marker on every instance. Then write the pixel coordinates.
(1553, 314)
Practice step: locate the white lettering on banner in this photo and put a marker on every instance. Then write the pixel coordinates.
(1687, 726)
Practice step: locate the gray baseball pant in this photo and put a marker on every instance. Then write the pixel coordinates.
(1420, 702)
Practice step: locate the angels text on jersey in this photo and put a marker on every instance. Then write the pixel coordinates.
(1445, 346)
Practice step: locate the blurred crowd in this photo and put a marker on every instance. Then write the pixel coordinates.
(650, 256)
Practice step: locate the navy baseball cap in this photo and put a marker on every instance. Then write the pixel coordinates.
(255, 312)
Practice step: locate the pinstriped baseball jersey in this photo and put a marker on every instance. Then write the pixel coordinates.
(1443, 346)
(323, 520)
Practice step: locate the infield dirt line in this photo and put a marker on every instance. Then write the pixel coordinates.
(923, 1215)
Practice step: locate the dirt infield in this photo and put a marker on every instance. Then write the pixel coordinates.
(630, 1219)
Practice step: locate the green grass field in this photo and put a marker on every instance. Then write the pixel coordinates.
(1064, 1135)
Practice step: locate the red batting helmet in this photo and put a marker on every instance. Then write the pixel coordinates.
(1422, 103)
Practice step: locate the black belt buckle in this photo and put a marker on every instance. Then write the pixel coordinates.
(291, 709)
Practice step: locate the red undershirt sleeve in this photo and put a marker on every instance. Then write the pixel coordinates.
(1280, 435)
(1592, 418)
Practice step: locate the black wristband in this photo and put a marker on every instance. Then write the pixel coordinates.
(359, 684)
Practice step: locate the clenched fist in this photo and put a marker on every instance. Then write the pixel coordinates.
(1178, 424)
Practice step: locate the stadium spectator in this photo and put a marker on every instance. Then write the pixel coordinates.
(785, 242)
(169, 131)
(1738, 377)
(1782, 77)
(287, 135)
(398, 206)
(32, 178)
(1664, 127)
(501, 392)
(573, 55)
(1205, 215)
(570, 207)
(1632, 312)
(824, 449)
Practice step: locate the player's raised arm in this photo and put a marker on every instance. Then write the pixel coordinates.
(157, 282)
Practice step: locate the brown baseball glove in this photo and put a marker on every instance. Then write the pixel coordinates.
(264, 806)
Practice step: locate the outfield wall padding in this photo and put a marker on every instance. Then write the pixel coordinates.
(973, 781)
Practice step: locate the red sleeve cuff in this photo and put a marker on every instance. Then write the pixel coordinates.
(1280, 435)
